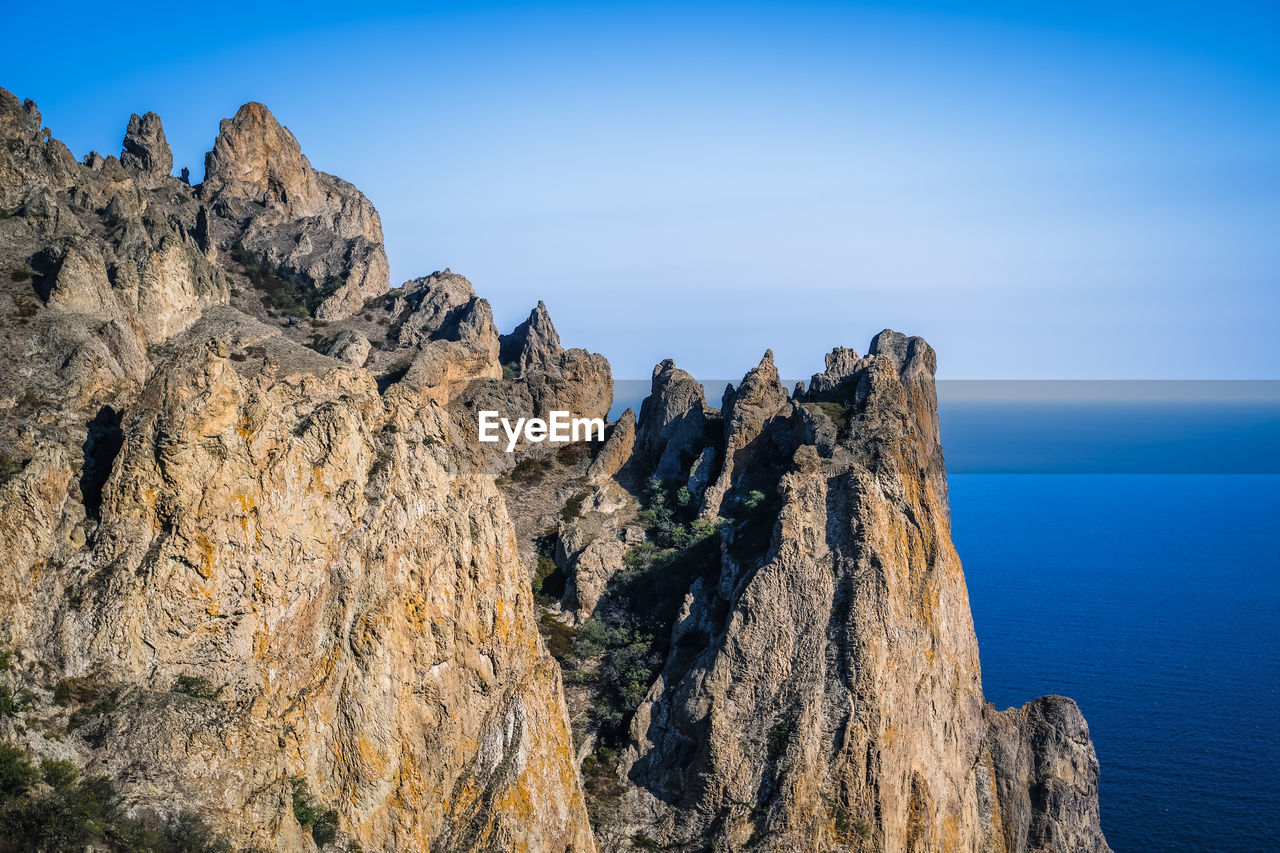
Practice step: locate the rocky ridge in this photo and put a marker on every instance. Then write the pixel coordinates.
(253, 549)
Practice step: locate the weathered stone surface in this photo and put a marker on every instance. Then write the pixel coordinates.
(429, 306)
(835, 701)
(1040, 761)
(146, 153)
(302, 223)
(748, 410)
(589, 550)
(350, 347)
(534, 343)
(198, 495)
(673, 421)
(616, 451)
(572, 380)
(842, 363)
(191, 490)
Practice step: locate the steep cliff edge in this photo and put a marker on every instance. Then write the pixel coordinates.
(256, 569)
(244, 579)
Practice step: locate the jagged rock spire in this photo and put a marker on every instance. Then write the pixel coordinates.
(533, 343)
(146, 153)
(257, 158)
(672, 419)
(842, 363)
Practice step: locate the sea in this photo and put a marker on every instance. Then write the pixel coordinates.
(1121, 544)
(1153, 601)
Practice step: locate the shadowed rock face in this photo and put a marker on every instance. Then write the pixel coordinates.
(673, 420)
(242, 500)
(146, 153)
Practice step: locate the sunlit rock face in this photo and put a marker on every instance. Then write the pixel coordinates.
(251, 551)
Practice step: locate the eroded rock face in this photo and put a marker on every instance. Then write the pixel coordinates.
(572, 380)
(748, 411)
(842, 363)
(301, 223)
(617, 450)
(254, 517)
(833, 700)
(146, 153)
(277, 564)
(534, 343)
(673, 420)
(1040, 762)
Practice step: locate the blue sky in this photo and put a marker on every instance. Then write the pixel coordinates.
(1057, 190)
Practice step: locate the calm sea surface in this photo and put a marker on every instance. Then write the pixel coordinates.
(1154, 602)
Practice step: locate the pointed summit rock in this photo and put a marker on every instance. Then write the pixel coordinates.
(258, 159)
(533, 343)
(747, 411)
(673, 420)
(300, 224)
(146, 153)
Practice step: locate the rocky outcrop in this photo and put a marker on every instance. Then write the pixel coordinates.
(428, 306)
(302, 224)
(146, 153)
(534, 343)
(590, 550)
(617, 450)
(1040, 763)
(570, 380)
(748, 411)
(832, 700)
(350, 347)
(674, 421)
(842, 363)
(248, 544)
(258, 565)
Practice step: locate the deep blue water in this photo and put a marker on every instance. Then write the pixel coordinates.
(1154, 602)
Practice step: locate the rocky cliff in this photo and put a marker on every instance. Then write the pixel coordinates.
(262, 587)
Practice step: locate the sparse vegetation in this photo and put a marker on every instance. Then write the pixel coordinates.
(531, 469)
(778, 738)
(88, 713)
(573, 507)
(9, 468)
(322, 822)
(558, 636)
(838, 413)
(51, 809)
(289, 297)
(20, 274)
(195, 685)
(547, 572)
(600, 784)
(78, 690)
(618, 652)
(572, 454)
(753, 515)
